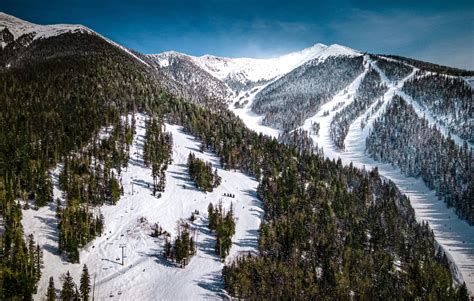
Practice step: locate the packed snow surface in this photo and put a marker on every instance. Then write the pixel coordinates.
(146, 275)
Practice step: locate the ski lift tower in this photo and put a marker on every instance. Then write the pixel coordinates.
(122, 246)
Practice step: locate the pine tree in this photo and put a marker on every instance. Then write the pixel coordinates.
(85, 286)
(217, 179)
(115, 190)
(38, 261)
(210, 213)
(51, 293)
(68, 291)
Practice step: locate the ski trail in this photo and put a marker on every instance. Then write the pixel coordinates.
(250, 118)
(426, 114)
(418, 108)
(327, 112)
(454, 235)
(356, 135)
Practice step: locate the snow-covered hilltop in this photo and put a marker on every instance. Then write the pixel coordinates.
(17, 28)
(17, 38)
(255, 70)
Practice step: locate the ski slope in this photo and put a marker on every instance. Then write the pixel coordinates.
(454, 235)
(146, 275)
(251, 119)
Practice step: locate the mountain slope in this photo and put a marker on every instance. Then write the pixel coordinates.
(22, 41)
(440, 95)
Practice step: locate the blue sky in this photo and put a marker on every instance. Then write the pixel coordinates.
(436, 31)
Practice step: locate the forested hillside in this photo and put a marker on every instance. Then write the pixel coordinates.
(50, 108)
(419, 150)
(287, 102)
(394, 70)
(370, 91)
(449, 99)
(307, 200)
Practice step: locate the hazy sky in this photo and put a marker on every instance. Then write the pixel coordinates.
(435, 31)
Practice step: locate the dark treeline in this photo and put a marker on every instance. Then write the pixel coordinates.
(21, 264)
(69, 290)
(449, 99)
(371, 88)
(288, 101)
(157, 151)
(432, 67)
(300, 139)
(183, 247)
(409, 143)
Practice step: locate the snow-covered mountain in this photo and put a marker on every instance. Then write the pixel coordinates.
(368, 110)
(22, 41)
(12, 29)
(237, 75)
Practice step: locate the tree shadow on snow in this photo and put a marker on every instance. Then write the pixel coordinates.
(157, 255)
(143, 183)
(250, 240)
(213, 283)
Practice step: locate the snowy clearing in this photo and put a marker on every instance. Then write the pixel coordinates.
(251, 119)
(146, 275)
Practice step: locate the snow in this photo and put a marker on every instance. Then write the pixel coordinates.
(146, 275)
(393, 88)
(470, 81)
(256, 69)
(20, 27)
(250, 118)
(426, 114)
(265, 69)
(345, 97)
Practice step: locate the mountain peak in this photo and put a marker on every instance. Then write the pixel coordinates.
(18, 27)
(336, 50)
